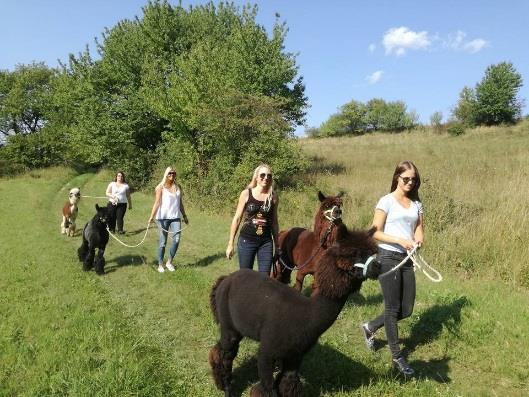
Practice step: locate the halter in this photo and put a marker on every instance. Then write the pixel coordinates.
(365, 265)
(328, 214)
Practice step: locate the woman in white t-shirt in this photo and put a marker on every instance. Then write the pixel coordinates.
(168, 209)
(399, 222)
(118, 193)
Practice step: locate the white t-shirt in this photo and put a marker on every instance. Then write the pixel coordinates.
(400, 222)
(170, 205)
(119, 191)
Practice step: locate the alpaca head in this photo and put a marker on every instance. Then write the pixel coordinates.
(331, 207)
(74, 196)
(336, 274)
(101, 217)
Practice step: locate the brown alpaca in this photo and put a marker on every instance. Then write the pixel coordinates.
(70, 211)
(245, 303)
(301, 249)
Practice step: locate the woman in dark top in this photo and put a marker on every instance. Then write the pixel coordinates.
(257, 208)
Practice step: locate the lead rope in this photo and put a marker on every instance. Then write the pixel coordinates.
(127, 245)
(421, 264)
(418, 263)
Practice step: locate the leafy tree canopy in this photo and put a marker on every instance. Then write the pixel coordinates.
(196, 87)
(494, 100)
(355, 118)
(24, 95)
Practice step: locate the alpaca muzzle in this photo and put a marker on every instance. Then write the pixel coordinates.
(370, 268)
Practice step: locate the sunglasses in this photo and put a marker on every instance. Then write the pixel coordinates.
(267, 176)
(171, 173)
(407, 179)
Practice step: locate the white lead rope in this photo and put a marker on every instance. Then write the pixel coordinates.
(144, 236)
(418, 263)
(127, 245)
(421, 264)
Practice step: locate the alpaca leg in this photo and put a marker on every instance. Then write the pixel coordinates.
(71, 229)
(287, 381)
(89, 259)
(299, 281)
(285, 276)
(265, 366)
(221, 358)
(290, 384)
(63, 225)
(83, 250)
(99, 263)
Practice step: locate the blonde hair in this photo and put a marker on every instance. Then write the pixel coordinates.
(164, 179)
(253, 183)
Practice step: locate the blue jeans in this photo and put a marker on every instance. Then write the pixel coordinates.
(248, 249)
(174, 226)
(398, 289)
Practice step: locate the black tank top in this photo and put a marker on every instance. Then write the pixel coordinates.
(257, 221)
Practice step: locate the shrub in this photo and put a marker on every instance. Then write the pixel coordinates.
(456, 129)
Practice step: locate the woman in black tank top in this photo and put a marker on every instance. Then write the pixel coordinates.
(257, 209)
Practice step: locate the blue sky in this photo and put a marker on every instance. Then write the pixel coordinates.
(422, 52)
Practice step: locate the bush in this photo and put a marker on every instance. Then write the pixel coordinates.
(456, 129)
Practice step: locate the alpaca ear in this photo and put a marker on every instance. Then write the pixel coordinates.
(97, 207)
(321, 197)
(372, 231)
(340, 194)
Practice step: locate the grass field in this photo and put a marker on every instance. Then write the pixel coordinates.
(135, 332)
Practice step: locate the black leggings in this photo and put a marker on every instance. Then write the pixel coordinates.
(116, 215)
(398, 289)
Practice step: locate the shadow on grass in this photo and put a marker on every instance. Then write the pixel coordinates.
(428, 328)
(339, 374)
(370, 300)
(208, 260)
(125, 260)
(432, 320)
(138, 231)
(319, 165)
(435, 369)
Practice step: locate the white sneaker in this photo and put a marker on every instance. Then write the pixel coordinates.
(160, 268)
(169, 266)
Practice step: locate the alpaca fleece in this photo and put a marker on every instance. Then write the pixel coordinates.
(95, 236)
(286, 323)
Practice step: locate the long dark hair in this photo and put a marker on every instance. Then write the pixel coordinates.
(116, 177)
(399, 169)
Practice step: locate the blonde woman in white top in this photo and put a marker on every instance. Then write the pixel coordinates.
(168, 210)
(118, 193)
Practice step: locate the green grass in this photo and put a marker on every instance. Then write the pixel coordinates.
(135, 332)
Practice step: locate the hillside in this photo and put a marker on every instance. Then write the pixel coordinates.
(137, 332)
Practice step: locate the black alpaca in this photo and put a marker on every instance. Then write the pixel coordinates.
(95, 235)
(287, 323)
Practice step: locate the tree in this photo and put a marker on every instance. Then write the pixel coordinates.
(24, 96)
(196, 87)
(436, 119)
(496, 95)
(465, 110)
(494, 100)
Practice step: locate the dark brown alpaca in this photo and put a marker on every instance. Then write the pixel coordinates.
(245, 303)
(301, 249)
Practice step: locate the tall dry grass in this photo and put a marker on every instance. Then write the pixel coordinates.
(475, 190)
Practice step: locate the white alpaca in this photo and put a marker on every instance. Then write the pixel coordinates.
(69, 212)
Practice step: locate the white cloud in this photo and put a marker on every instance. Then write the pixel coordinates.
(475, 45)
(372, 47)
(374, 77)
(399, 40)
(457, 41)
